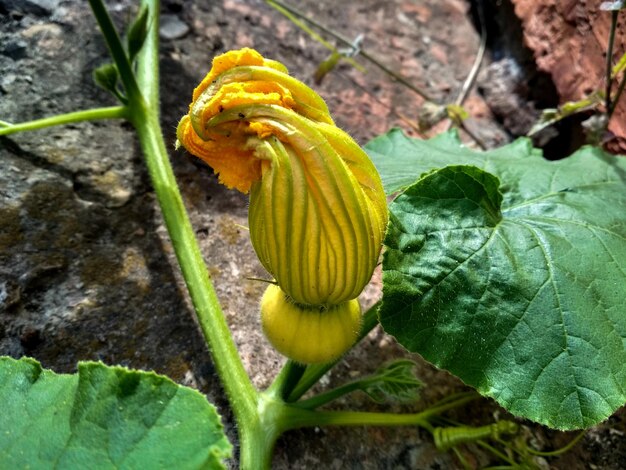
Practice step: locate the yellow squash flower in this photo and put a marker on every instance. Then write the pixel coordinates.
(317, 208)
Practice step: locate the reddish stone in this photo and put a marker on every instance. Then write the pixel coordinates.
(439, 53)
(422, 12)
(569, 39)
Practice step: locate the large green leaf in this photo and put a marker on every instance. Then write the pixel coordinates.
(401, 159)
(513, 280)
(104, 418)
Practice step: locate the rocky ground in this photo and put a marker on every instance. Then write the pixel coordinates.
(86, 268)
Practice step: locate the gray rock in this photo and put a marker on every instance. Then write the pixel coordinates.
(172, 27)
(15, 49)
(6, 81)
(30, 7)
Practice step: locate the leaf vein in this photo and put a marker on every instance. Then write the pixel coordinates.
(542, 245)
(573, 222)
(556, 193)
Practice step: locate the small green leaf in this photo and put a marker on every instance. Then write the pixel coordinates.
(619, 67)
(513, 280)
(104, 418)
(395, 381)
(551, 116)
(457, 113)
(106, 77)
(326, 66)
(137, 32)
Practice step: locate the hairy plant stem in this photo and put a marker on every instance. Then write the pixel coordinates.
(148, 59)
(208, 311)
(562, 450)
(143, 114)
(330, 395)
(298, 417)
(112, 112)
(287, 379)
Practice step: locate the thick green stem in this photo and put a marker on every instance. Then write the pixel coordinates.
(330, 395)
(257, 448)
(287, 379)
(298, 417)
(143, 114)
(148, 58)
(212, 322)
(258, 437)
(112, 112)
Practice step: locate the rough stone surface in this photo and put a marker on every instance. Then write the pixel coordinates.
(171, 27)
(87, 270)
(570, 40)
(30, 7)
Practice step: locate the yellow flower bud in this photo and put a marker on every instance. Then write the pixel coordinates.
(318, 212)
(317, 208)
(309, 335)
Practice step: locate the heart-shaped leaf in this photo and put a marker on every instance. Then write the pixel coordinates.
(513, 280)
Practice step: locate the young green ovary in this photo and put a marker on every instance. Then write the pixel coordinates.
(309, 335)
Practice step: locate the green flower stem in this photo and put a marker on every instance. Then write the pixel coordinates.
(148, 57)
(445, 404)
(314, 373)
(497, 453)
(295, 417)
(562, 450)
(330, 395)
(112, 112)
(287, 379)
